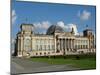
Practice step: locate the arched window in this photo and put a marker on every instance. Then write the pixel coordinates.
(40, 53)
(27, 44)
(36, 53)
(48, 52)
(44, 53)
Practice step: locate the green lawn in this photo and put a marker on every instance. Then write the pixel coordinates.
(82, 62)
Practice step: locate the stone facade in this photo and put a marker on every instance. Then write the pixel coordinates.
(29, 43)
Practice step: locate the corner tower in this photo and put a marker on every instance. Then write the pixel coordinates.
(89, 34)
(24, 40)
(27, 28)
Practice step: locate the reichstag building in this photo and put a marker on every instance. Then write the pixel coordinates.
(55, 42)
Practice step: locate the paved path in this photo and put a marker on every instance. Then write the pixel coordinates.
(20, 65)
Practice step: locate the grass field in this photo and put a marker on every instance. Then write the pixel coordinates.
(83, 62)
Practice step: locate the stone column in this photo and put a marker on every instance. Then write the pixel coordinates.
(40, 44)
(49, 45)
(23, 43)
(73, 44)
(61, 44)
(37, 44)
(45, 45)
(21, 46)
(31, 43)
(65, 43)
(58, 44)
(68, 44)
(18, 47)
(88, 44)
(55, 43)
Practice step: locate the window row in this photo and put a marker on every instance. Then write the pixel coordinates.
(45, 47)
(81, 46)
(81, 41)
(44, 41)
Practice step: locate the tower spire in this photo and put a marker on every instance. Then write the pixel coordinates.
(72, 31)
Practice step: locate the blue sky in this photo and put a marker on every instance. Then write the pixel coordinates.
(42, 15)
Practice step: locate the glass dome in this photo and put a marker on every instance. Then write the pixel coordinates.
(54, 29)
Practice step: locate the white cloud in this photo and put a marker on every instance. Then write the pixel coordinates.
(68, 27)
(84, 15)
(44, 25)
(12, 40)
(14, 16)
(61, 23)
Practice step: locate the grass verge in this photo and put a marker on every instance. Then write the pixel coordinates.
(81, 61)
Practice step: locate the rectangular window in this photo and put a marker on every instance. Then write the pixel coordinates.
(75, 46)
(48, 47)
